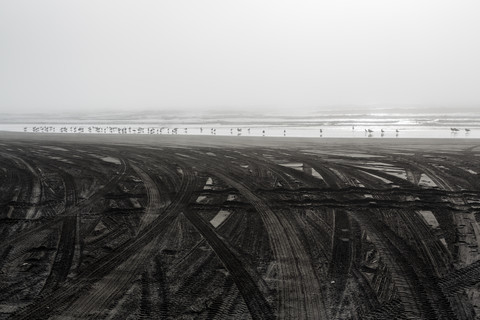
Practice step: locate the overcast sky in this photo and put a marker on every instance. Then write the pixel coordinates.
(106, 55)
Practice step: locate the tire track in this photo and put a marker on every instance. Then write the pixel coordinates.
(155, 201)
(461, 279)
(397, 267)
(300, 292)
(81, 206)
(66, 295)
(64, 257)
(104, 290)
(255, 300)
(36, 187)
(416, 286)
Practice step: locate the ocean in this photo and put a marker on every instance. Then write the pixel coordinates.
(314, 124)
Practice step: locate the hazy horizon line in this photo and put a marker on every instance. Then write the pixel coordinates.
(333, 109)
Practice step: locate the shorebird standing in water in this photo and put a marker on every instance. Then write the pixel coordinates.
(467, 130)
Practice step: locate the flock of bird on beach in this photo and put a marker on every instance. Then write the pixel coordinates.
(370, 131)
(213, 131)
(455, 130)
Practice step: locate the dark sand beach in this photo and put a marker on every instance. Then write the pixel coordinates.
(186, 227)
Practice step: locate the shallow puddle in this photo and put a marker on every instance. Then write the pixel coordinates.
(316, 174)
(426, 181)
(183, 155)
(380, 164)
(442, 240)
(61, 159)
(231, 197)
(135, 203)
(294, 165)
(429, 218)
(111, 160)
(208, 184)
(200, 199)
(219, 218)
(471, 171)
(388, 169)
(56, 148)
(379, 178)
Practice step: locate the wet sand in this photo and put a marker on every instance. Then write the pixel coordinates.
(243, 228)
(236, 141)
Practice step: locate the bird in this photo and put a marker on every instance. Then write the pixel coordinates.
(370, 130)
(467, 130)
(321, 131)
(397, 131)
(382, 130)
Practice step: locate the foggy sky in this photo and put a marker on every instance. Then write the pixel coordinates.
(119, 55)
